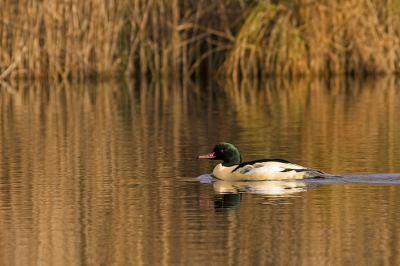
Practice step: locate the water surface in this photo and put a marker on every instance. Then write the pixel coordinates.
(105, 174)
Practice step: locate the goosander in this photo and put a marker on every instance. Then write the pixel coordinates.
(232, 168)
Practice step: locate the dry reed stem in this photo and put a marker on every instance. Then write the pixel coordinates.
(75, 39)
(316, 39)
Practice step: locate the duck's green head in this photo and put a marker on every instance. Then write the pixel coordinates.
(225, 152)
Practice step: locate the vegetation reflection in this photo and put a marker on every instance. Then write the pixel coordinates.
(102, 174)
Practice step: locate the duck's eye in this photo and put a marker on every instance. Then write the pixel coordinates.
(222, 151)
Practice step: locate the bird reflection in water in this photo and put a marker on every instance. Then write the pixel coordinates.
(228, 194)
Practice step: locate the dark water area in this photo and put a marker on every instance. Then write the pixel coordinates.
(105, 174)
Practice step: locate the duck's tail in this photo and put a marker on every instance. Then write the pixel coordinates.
(312, 173)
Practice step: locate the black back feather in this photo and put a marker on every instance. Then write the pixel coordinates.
(260, 161)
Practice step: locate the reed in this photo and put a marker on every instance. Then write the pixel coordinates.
(77, 39)
(325, 37)
(185, 38)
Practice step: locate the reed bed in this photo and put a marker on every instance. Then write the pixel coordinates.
(322, 37)
(75, 39)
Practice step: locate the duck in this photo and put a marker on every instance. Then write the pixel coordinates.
(233, 169)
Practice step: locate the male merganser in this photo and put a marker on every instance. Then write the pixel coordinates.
(232, 168)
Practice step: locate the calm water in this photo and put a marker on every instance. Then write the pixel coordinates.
(106, 174)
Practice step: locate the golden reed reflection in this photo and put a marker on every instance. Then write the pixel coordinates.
(341, 126)
(79, 182)
(100, 175)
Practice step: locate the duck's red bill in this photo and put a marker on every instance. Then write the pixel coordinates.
(208, 156)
